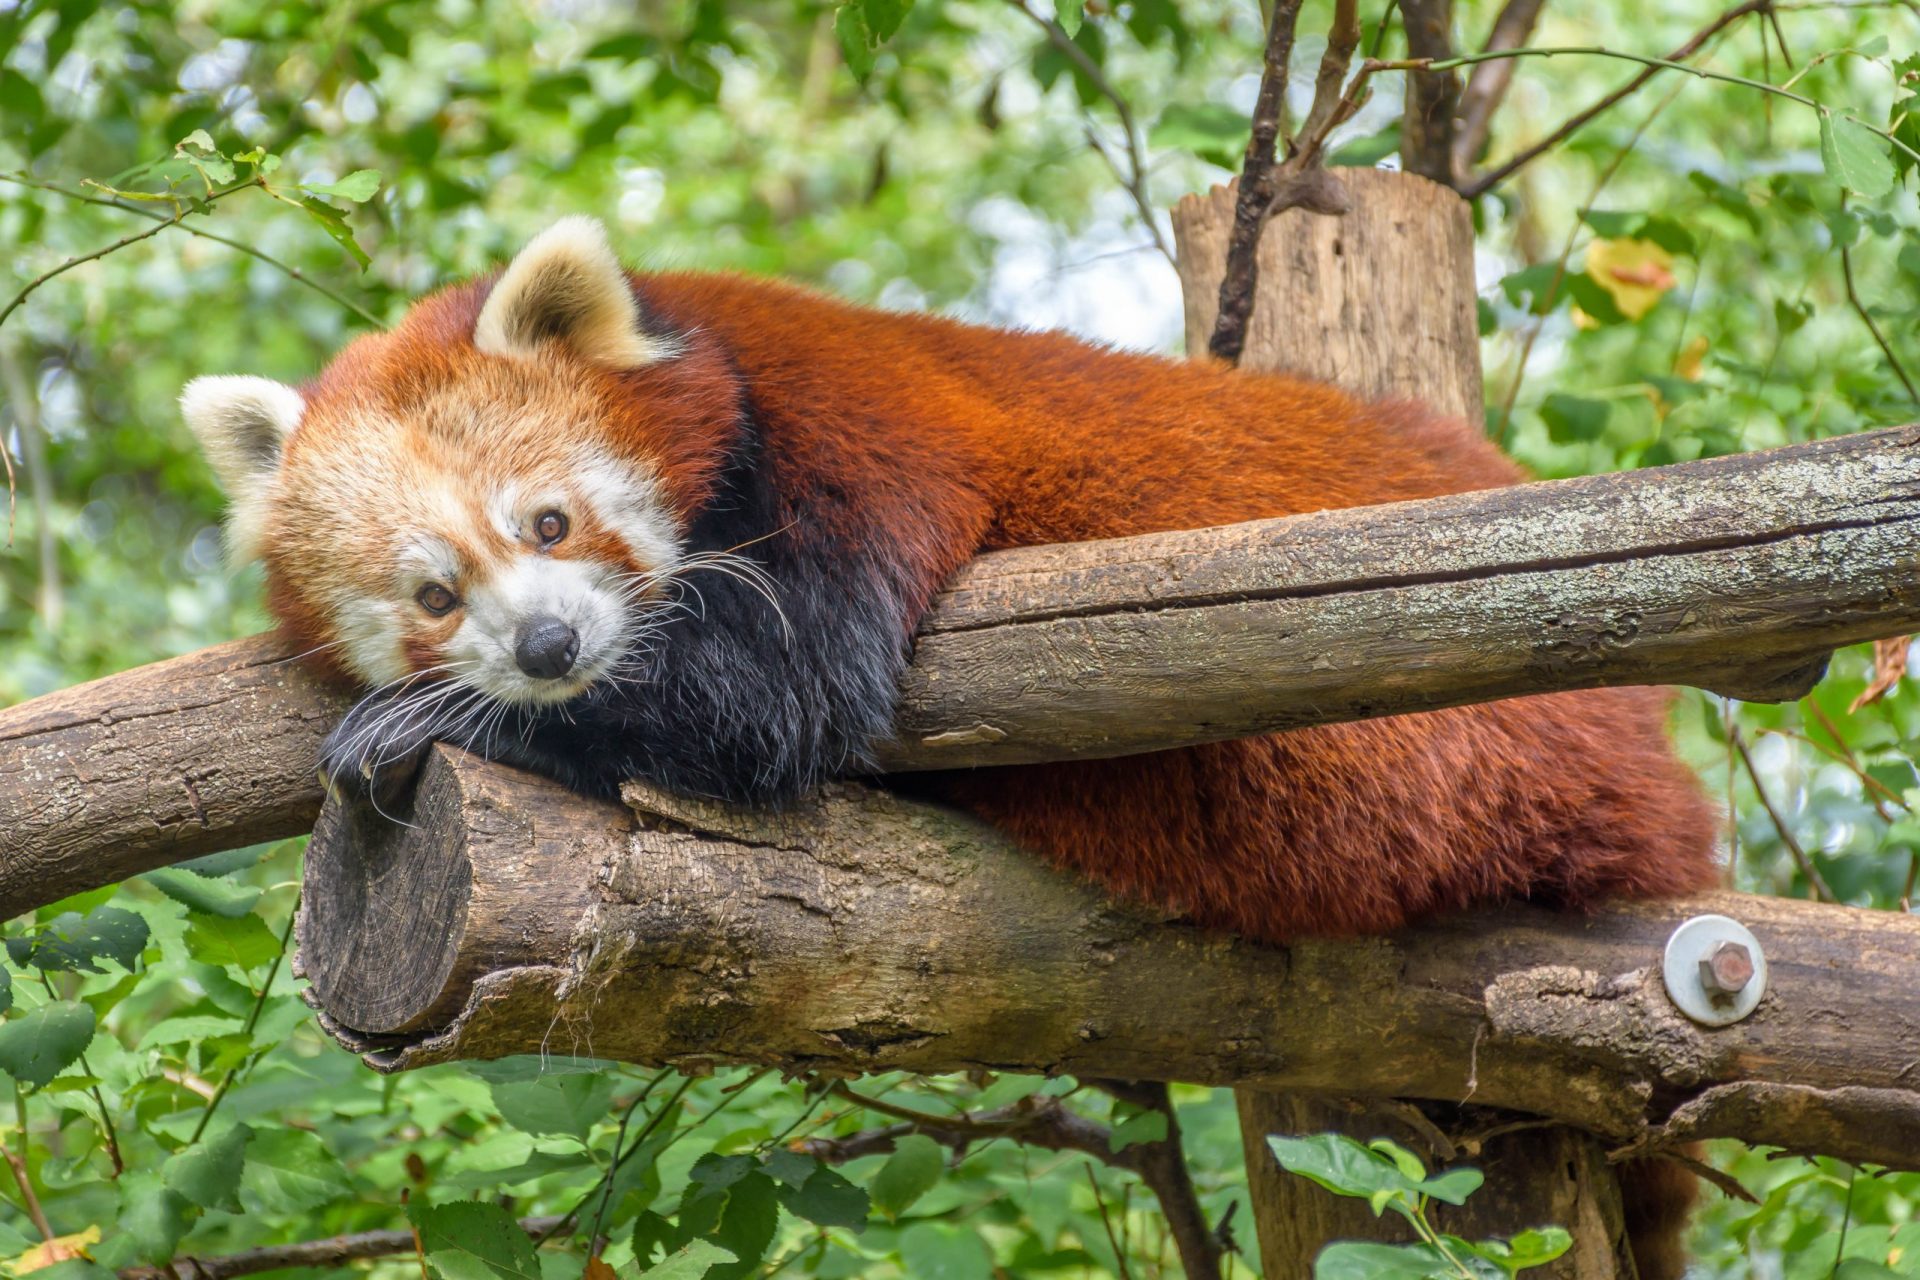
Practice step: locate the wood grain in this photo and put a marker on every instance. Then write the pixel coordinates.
(211, 751)
(862, 932)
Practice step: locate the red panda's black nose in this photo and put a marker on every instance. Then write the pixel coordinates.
(545, 647)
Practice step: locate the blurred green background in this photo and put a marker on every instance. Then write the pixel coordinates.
(961, 165)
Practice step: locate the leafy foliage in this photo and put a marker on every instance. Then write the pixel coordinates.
(1667, 285)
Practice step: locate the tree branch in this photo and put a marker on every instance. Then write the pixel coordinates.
(864, 933)
(1135, 179)
(1507, 168)
(1250, 214)
(334, 1251)
(1487, 86)
(1433, 96)
(1716, 573)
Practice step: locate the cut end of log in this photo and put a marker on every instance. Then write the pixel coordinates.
(404, 918)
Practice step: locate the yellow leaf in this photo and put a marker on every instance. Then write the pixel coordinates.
(58, 1249)
(1693, 359)
(1636, 272)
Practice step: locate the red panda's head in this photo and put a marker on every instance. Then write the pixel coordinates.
(487, 496)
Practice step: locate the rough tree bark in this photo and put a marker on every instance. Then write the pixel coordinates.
(1716, 573)
(864, 932)
(1381, 301)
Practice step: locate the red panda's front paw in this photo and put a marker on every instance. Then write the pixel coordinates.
(383, 781)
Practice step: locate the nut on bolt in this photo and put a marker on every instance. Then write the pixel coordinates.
(1727, 971)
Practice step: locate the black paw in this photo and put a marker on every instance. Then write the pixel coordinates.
(382, 779)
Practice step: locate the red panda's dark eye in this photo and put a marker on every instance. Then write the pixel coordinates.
(436, 599)
(550, 528)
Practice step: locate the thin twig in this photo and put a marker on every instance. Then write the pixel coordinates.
(1866, 318)
(1241, 275)
(107, 1129)
(292, 273)
(1100, 1203)
(1487, 85)
(660, 1113)
(1822, 891)
(333, 1251)
(1500, 173)
(1135, 181)
(185, 211)
(25, 1183)
(1045, 1123)
(253, 1020)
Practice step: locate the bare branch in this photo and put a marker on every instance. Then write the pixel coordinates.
(1045, 1122)
(1866, 318)
(1433, 96)
(1135, 179)
(1822, 891)
(334, 1251)
(1507, 168)
(1250, 211)
(1487, 85)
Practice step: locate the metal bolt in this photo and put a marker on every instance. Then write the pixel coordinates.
(1727, 971)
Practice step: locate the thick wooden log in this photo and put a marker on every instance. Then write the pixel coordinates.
(1380, 300)
(1737, 574)
(863, 932)
(210, 751)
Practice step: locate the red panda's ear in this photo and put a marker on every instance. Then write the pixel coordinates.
(242, 424)
(567, 286)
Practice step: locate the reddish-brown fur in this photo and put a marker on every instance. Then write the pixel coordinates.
(983, 439)
(951, 440)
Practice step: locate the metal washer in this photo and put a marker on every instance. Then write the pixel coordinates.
(1693, 942)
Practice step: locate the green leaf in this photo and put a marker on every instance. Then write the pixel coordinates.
(829, 1200)
(730, 1201)
(1210, 130)
(521, 1067)
(885, 16)
(691, 1262)
(1535, 1248)
(1355, 1260)
(789, 1168)
(1533, 287)
(1613, 224)
(1337, 1163)
(20, 100)
(334, 222)
(74, 942)
(1364, 153)
(244, 942)
(209, 1174)
(6, 990)
(569, 1104)
(222, 864)
(1147, 1126)
(1789, 317)
(908, 1174)
(198, 893)
(1862, 1269)
(937, 1251)
(473, 1240)
(39, 1046)
(1453, 1186)
(1069, 14)
(1854, 156)
(290, 1171)
(153, 1217)
(856, 38)
(1571, 419)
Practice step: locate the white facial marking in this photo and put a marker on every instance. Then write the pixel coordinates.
(370, 632)
(579, 593)
(627, 498)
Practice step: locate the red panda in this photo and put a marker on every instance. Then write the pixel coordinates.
(681, 527)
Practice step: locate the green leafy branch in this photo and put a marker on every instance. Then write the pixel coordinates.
(1388, 1176)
